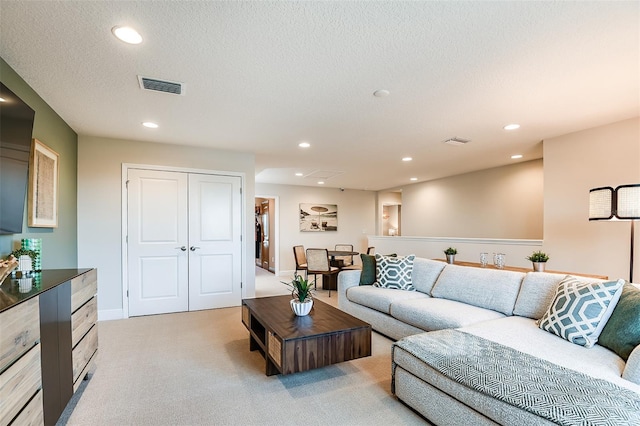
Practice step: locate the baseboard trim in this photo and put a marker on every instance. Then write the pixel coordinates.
(109, 314)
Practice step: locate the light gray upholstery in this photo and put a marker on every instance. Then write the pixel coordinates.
(380, 299)
(632, 368)
(425, 273)
(486, 288)
(436, 314)
(536, 293)
(476, 300)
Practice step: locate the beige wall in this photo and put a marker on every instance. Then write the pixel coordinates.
(100, 208)
(573, 164)
(502, 202)
(356, 218)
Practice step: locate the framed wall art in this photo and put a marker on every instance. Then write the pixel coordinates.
(42, 203)
(318, 217)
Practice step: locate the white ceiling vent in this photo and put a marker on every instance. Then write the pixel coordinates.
(456, 141)
(164, 86)
(323, 174)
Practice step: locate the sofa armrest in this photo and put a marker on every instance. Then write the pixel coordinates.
(632, 369)
(347, 279)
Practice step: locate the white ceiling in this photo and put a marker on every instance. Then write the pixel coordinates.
(262, 76)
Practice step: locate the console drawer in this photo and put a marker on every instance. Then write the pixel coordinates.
(82, 320)
(83, 288)
(18, 384)
(84, 351)
(32, 414)
(20, 331)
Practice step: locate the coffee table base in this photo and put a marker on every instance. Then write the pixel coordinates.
(286, 354)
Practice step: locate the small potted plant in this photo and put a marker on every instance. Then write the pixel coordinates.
(539, 260)
(26, 259)
(451, 254)
(302, 299)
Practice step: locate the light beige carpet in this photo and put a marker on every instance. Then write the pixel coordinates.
(196, 369)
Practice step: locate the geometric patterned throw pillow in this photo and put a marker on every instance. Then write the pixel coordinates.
(580, 310)
(394, 272)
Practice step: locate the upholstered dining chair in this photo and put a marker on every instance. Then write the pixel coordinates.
(301, 259)
(346, 260)
(318, 263)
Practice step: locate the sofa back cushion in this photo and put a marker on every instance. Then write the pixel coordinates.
(425, 273)
(487, 288)
(536, 293)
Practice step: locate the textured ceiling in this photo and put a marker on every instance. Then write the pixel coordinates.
(262, 76)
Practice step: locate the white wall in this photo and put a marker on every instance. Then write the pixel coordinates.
(502, 202)
(100, 209)
(574, 164)
(356, 219)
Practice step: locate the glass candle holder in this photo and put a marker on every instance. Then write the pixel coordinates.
(500, 260)
(484, 259)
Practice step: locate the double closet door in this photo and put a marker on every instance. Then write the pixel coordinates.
(183, 242)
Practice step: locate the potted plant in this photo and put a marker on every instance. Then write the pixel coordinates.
(302, 299)
(26, 259)
(451, 254)
(539, 260)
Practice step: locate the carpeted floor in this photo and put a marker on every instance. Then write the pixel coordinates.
(195, 368)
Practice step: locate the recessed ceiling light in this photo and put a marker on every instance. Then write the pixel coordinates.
(127, 34)
(381, 93)
(304, 144)
(320, 182)
(413, 179)
(517, 156)
(298, 174)
(3, 100)
(511, 126)
(407, 159)
(150, 125)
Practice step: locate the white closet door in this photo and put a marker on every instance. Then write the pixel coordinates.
(214, 241)
(157, 258)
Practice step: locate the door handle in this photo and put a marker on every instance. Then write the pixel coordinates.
(183, 248)
(193, 248)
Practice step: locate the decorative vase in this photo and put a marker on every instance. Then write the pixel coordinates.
(25, 263)
(301, 308)
(451, 258)
(539, 266)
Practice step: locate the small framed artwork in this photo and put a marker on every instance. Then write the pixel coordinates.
(318, 217)
(43, 186)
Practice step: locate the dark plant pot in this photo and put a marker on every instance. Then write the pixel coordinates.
(539, 266)
(451, 258)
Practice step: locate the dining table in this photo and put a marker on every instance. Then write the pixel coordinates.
(330, 281)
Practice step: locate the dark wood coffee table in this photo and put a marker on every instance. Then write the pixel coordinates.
(291, 344)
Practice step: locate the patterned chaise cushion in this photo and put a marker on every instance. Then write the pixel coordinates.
(394, 272)
(580, 310)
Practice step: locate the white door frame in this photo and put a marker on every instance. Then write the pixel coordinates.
(125, 230)
(276, 230)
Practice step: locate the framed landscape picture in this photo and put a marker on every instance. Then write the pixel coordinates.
(42, 207)
(318, 217)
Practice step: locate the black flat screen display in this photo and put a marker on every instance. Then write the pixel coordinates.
(16, 128)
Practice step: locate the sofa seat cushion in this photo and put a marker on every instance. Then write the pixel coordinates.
(486, 288)
(523, 335)
(432, 314)
(379, 298)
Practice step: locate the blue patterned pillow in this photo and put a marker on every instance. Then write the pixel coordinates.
(394, 272)
(580, 310)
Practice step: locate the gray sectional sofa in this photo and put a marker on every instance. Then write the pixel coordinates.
(465, 313)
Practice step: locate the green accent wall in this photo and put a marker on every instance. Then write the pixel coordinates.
(59, 245)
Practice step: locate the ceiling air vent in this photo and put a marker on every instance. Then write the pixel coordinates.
(456, 141)
(156, 85)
